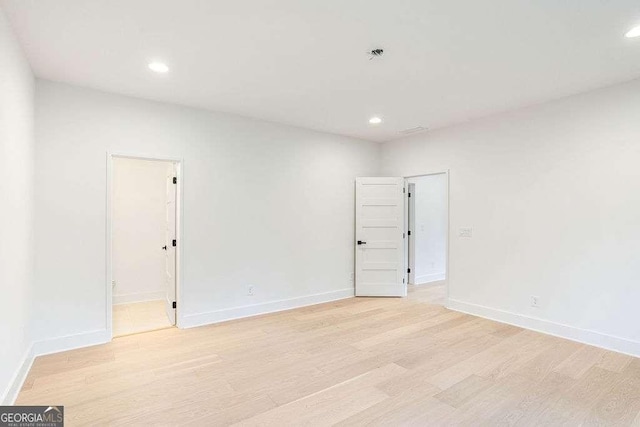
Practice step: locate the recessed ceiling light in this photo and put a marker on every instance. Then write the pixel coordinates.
(375, 120)
(158, 67)
(634, 32)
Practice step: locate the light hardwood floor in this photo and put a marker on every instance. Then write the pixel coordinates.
(361, 361)
(139, 317)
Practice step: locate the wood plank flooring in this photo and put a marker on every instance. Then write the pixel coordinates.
(139, 317)
(355, 362)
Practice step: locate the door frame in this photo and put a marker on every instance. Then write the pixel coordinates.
(179, 162)
(447, 174)
(411, 238)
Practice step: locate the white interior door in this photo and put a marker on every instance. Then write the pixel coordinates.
(170, 234)
(380, 220)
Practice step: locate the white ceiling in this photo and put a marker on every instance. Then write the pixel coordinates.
(303, 62)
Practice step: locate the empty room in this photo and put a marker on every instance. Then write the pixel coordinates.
(274, 213)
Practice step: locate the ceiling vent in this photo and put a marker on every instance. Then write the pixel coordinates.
(411, 131)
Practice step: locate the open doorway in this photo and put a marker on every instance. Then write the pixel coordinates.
(427, 230)
(143, 236)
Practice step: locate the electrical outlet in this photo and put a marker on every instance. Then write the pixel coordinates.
(250, 290)
(535, 301)
(465, 232)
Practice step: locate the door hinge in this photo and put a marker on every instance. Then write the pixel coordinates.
(174, 243)
(404, 190)
(409, 194)
(174, 304)
(408, 270)
(409, 232)
(402, 280)
(175, 180)
(403, 235)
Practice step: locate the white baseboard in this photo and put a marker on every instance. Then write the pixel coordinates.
(11, 394)
(70, 342)
(201, 319)
(138, 297)
(41, 348)
(87, 339)
(428, 278)
(584, 336)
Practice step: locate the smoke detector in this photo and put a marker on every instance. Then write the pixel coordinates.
(375, 53)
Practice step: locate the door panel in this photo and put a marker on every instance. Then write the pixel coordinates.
(380, 221)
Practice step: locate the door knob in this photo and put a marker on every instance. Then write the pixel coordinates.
(360, 242)
(164, 248)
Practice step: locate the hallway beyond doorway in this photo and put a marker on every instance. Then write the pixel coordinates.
(139, 317)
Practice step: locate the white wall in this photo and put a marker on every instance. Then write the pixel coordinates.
(16, 207)
(264, 205)
(430, 228)
(552, 193)
(139, 215)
